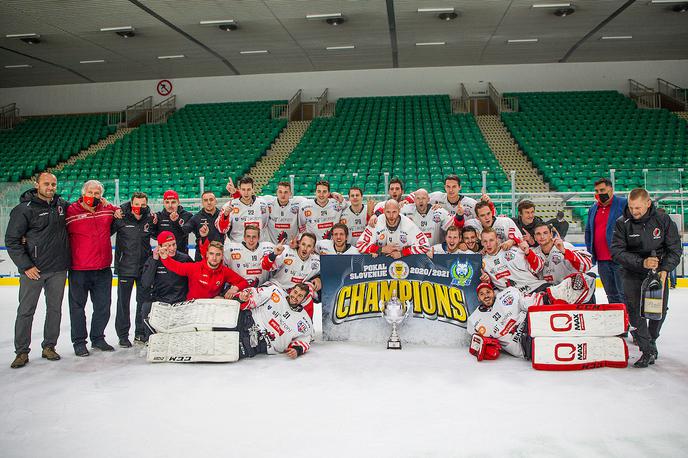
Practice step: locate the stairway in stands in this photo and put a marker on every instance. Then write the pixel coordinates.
(285, 143)
(510, 157)
(682, 114)
(93, 149)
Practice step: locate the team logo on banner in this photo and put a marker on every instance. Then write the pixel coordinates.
(398, 270)
(462, 273)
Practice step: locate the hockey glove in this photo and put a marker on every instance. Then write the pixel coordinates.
(484, 347)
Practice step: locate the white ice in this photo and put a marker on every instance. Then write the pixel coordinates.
(339, 400)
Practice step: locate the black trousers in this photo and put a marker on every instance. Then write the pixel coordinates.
(123, 317)
(97, 283)
(646, 331)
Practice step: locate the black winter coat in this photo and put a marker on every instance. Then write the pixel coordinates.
(175, 227)
(132, 244)
(162, 284)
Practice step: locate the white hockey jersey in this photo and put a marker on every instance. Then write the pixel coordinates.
(503, 226)
(407, 235)
(254, 214)
(434, 223)
(283, 220)
(441, 248)
(514, 268)
(355, 222)
(248, 263)
(558, 265)
(282, 326)
(468, 203)
(327, 247)
(319, 220)
(289, 269)
(505, 320)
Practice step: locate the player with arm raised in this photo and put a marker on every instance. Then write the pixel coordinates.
(283, 214)
(318, 216)
(338, 244)
(434, 222)
(395, 191)
(394, 235)
(246, 257)
(247, 210)
(451, 198)
(561, 259)
(504, 227)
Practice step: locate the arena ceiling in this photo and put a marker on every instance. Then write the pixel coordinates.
(274, 36)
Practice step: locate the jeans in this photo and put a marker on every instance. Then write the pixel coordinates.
(99, 284)
(612, 281)
(53, 284)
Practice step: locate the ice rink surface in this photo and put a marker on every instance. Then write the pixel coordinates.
(339, 400)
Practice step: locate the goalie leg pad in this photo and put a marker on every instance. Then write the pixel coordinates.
(197, 315)
(484, 347)
(576, 288)
(192, 347)
(598, 320)
(577, 353)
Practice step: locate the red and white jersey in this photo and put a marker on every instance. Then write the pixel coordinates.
(505, 320)
(441, 248)
(327, 247)
(433, 223)
(406, 235)
(319, 220)
(513, 268)
(254, 214)
(356, 222)
(289, 269)
(558, 265)
(283, 220)
(439, 197)
(503, 226)
(380, 206)
(246, 262)
(282, 326)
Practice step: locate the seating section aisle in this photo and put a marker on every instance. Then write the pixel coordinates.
(416, 138)
(215, 141)
(38, 143)
(573, 138)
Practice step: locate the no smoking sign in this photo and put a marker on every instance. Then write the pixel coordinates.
(164, 87)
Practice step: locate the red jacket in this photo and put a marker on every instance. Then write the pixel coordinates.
(204, 282)
(89, 236)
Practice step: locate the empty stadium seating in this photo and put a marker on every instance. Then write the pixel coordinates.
(414, 137)
(39, 143)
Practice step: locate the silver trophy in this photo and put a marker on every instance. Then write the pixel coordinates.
(395, 312)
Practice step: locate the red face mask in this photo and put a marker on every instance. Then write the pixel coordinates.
(136, 210)
(91, 201)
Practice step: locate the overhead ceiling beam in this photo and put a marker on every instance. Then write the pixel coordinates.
(597, 28)
(392, 22)
(74, 72)
(184, 34)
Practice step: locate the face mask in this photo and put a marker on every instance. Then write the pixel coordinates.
(139, 210)
(91, 201)
(602, 198)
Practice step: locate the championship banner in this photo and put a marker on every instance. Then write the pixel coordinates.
(440, 294)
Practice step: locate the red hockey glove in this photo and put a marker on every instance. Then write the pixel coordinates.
(484, 347)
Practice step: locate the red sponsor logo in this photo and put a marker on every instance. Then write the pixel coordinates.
(564, 352)
(503, 274)
(508, 328)
(325, 225)
(356, 233)
(251, 223)
(282, 226)
(420, 236)
(296, 280)
(254, 271)
(276, 327)
(560, 322)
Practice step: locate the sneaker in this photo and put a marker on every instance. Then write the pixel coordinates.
(124, 342)
(140, 339)
(50, 354)
(645, 360)
(102, 346)
(20, 360)
(81, 350)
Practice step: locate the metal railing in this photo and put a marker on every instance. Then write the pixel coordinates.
(502, 104)
(114, 118)
(9, 116)
(644, 96)
(673, 91)
(161, 111)
(138, 109)
(321, 103)
(294, 104)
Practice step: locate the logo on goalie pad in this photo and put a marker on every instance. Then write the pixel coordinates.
(564, 322)
(568, 352)
(177, 359)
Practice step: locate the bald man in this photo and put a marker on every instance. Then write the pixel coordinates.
(433, 221)
(393, 235)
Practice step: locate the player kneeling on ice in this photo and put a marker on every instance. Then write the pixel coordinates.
(549, 327)
(269, 320)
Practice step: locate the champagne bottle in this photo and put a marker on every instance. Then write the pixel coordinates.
(652, 295)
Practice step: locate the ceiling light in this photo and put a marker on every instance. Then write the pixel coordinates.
(325, 16)
(665, 1)
(435, 10)
(18, 66)
(552, 5)
(22, 35)
(258, 51)
(563, 12)
(432, 43)
(126, 28)
(218, 22)
(523, 40)
(337, 48)
(619, 37)
(97, 61)
(173, 56)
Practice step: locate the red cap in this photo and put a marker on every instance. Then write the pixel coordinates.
(483, 285)
(165, 236)
(170, 194)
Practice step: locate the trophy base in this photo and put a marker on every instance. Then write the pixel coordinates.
(393, 345)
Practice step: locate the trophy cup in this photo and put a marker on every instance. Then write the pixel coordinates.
(394, 312)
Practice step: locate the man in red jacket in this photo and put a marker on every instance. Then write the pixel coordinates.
(88, 226)
(208, 276)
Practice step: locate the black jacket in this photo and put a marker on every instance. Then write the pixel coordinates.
(195, 223)
(530, 228)
(132, 244)
(634, 240)
(562, 226)
(175, 227)
(43, 225)
(164, 285)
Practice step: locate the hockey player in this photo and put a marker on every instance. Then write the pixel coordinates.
(451, 244)
(246, 257)
(283, 214)
(517, 266)
(434, 222)
(394, 235)
(318, 216)
(395, 190)
(292, 266)
(499, 321)
(504, 227)
(338, 244)
(202, 224)
(451, 198)
(172, 218)
(355, 215)
(247, 210)
(470, 242)
(560, 258)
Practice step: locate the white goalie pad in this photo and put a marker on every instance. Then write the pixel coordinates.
(196, 315)
(577, 353)
(576, 288)
(598, 320)
(194, 347)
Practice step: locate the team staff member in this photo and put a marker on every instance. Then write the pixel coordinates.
(641, 231)
(172, 218)
(206, 277)
(202, 224)
(38, 244)
(526, 221)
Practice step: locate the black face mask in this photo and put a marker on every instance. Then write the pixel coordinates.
(96, 201)
(603, 197)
